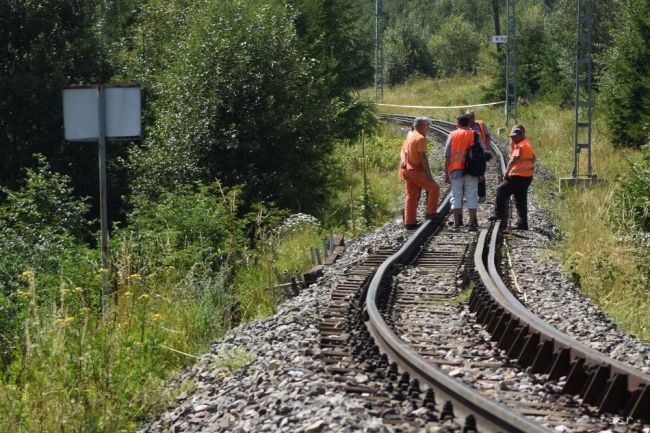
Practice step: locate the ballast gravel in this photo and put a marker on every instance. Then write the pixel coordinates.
(283, 386)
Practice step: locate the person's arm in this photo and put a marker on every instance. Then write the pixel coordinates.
(514, 155)
(487, 135)
(425, 163)
(507, 175)
(447, 158)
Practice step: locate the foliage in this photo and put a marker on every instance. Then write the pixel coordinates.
(405, 53)
(175, 289)
(633, 196)
(40, 225)
(627, 76)
(455, 47)
(239, 101)
(367, 183)
(44, 46)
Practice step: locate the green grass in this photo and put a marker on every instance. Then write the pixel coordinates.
(591, 248)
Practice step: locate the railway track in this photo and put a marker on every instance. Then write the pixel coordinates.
(400, 332)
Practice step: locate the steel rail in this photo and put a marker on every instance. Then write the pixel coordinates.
(601, 380)
(467, 402)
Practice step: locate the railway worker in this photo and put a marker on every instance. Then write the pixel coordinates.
(480, 127)
(462, 184)
(415, 170)
(517, 178)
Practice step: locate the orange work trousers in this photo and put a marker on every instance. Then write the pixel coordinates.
(416, 180)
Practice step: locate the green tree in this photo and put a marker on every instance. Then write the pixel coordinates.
(405, 53)
(43, 46)
(236, 98)
(40, 227)
(626, 81)
(455, 47)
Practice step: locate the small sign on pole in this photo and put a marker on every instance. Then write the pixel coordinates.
(500, 39)
(94, 114)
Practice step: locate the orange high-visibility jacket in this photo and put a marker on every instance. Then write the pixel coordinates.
(524, 165)
(482, 134)
(410, 153)
(461, 140)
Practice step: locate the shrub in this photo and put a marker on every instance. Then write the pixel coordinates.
(40, 225)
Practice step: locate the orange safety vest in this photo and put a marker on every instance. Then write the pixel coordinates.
(482, 134)
(461, 140)
(523, 166)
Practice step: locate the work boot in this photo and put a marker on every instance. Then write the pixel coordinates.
(431, 216)
(493, 218)
(412, 226)
(521, 226)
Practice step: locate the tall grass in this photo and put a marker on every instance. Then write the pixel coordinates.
(365, 186)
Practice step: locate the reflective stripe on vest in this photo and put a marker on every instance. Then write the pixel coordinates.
(482, 134)
(461, 140)
(524, 166)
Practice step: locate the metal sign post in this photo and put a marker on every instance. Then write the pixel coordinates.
(103, 206)
(94, 114)
(511, 63)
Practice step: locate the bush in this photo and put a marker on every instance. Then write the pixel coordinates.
(455, 47)
(633, 196)
(405, 53)
(40, 227)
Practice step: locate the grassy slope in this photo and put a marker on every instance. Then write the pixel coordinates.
(590, 249)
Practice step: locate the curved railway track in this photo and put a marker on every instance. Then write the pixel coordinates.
(396, 320)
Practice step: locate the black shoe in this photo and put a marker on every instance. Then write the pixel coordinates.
(412, 226)
(472, 228)
(493, 218)
(432, 216)
(521, 226)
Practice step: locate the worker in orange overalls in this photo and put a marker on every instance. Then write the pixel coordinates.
(517, 179)
(480, 127)
(415, 170)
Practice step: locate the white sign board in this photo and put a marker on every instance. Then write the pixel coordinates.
(500, 39)
(81, 113)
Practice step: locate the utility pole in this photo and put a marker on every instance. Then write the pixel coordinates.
(379, 53)
(511, 63)
(582, 135)
(583, 102)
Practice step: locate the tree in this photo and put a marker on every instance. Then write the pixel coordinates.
(237, 99)
(626, 81)
(455, 47)
(405, 53)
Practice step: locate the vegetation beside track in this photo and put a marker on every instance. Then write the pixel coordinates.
(599, 243)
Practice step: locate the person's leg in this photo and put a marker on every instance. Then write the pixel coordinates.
(521, 201)
(457, 200)
(471, 194)
(481, 189)
(411, 202)
(504, 191)
(433, 191)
